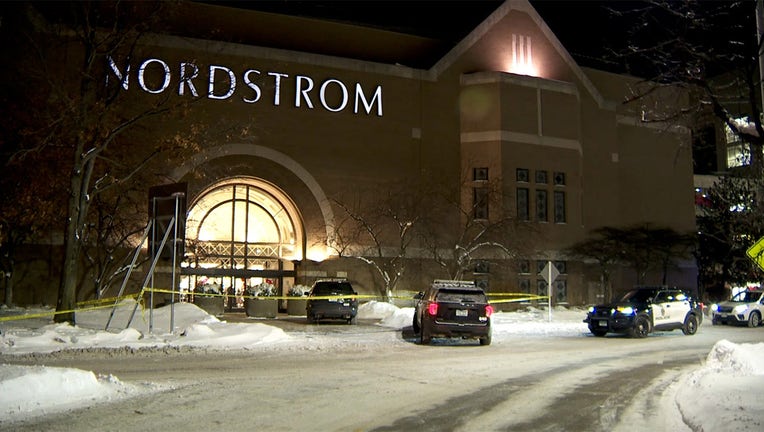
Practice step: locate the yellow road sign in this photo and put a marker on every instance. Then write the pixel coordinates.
(756, 253)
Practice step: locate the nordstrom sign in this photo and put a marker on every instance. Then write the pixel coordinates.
(221, 83)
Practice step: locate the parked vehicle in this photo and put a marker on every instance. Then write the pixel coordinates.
(643, 310)
(746, 308)
(452, 309)
(332, 300)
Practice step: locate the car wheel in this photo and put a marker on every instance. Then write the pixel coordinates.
(415, 326)
(715, 321)
(424, 337)
(598, 332)
(485, 340)
(311, 319)
(754, 320)
(690, 326)
(641, 327)
(352, 321)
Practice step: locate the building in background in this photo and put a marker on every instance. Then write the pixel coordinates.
(305, 121)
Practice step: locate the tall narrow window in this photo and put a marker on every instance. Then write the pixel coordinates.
(523, 207)
(559, 207)
(480, 203)
(541, 206)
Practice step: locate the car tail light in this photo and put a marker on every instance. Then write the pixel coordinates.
(432, 309)
(488, 310)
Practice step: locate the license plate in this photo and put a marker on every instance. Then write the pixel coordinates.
(602, 323)
(462, 312)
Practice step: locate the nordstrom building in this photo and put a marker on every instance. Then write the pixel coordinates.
(312, 135)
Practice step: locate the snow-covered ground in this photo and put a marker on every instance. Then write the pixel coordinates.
(733, 374)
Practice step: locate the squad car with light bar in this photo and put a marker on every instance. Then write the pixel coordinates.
(644, 310)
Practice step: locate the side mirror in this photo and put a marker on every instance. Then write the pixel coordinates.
(418, 295)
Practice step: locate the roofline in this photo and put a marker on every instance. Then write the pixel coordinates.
(503, 10)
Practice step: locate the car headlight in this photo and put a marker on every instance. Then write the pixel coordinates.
(739, 309)
(625, 310)
(591, 309)
(714, 307)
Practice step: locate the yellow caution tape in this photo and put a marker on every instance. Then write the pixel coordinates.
(110, 302)
(98, 304)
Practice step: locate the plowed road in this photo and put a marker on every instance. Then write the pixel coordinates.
(368, 378)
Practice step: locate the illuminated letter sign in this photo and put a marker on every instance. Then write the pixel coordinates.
(344, 95)
(142, 71)
(231, 82)
(155, 76)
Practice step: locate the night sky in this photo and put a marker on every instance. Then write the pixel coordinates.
(585, 28)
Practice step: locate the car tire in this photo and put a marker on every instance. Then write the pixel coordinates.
(641, 327)
(485, 340)
(311, 319)
(754, 320)
(415, 326)
(352, 321)
(424, 337)
(715, 321)
(598, 332)
(690, 326)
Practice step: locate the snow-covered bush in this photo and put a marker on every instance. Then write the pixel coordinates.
(298, 290)
(208, 288)
(263, 289)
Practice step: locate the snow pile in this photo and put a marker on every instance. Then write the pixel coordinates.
(726, 393)
(39, 389)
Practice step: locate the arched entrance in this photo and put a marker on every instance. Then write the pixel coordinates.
(241, 232)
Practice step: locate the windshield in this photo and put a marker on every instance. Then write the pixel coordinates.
(747, 296)
(641, 295)
(331, 288)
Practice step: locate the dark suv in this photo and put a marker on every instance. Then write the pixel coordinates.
(332, 299)
(452, 309)
(643, 310)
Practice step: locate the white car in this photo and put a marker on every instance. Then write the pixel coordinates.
(746, 307)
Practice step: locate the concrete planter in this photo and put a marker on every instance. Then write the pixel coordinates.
(212, 305)
(296, 306)
(261, 308)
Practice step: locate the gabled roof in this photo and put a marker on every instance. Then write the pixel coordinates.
(499, 14)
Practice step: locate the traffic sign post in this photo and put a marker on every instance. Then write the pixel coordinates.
(756, 253)
(549, 273)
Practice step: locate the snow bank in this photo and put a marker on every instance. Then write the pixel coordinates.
(727, 392)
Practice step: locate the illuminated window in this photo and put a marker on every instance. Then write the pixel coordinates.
(243, 219)
(738, 152)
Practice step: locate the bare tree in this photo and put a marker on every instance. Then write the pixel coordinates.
(76, 113)
(378, 227)
(481, 231)
(639, 247)
(713, 51)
